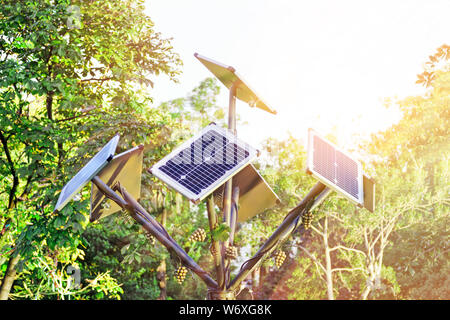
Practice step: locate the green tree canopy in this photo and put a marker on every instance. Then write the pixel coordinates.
(72, 74)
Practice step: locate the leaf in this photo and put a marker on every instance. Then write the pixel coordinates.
(124, 249)
(221, 233)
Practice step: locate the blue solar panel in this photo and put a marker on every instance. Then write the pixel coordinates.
(347, 174)
(335, 168)
(199, 165)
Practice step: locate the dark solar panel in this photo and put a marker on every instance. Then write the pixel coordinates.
(338, 169)
(203, 162)
(347, 174)
(324, 159)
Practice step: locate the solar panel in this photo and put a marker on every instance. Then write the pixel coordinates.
(228, 76)
(369, 193)
(86, 173)
(204, 162)
(124, 168)
(335, 168)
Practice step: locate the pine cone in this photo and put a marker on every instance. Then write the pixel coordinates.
(231, 252)
(306, 220)
(150, 238)
(180, 274)
(280, 256)
(198, 235)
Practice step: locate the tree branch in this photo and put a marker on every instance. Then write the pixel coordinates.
(346, 248)
(12, 192)
(84, 113)
(348, 269)
(317, 262)
(317, 230)
(97, 79)
(335, 216)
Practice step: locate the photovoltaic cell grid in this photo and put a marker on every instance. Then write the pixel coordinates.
(204, 162)
(337, 168)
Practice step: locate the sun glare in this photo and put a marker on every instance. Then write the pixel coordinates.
(324, 65)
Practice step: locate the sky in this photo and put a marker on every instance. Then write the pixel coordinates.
(323, 64)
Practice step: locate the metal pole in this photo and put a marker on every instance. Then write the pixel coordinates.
(150, 225)
(229, 184)
(286, 227)
(232, 127)
(232, 108)
(233, 219)
(234, 213)
(215, 245)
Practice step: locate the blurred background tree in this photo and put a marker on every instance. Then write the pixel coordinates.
(401, 250)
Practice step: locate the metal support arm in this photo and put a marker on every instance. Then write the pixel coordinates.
(286, 228)
(152, 226)
(215, 245)
(233, 219)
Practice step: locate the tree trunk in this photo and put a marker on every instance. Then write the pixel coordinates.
(9, 278)
(12, 192)
(10, 274)
(329, 272)
(368, 288)
(329, 275)
(49, 105)
(371, 282)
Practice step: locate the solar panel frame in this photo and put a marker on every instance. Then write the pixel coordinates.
(369, 193)
(359, 199)
(174, 184)
(255, 194)
(124, 168)
(89, 170)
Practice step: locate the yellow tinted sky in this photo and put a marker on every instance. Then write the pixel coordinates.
(321, 64)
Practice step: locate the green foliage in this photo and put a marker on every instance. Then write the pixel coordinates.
(123, 250)
(400, 251)
(305, 284)
(423, 272)
(282, 164)
(417, 148)
(221, 233)
(199, 108)
(61, 83)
